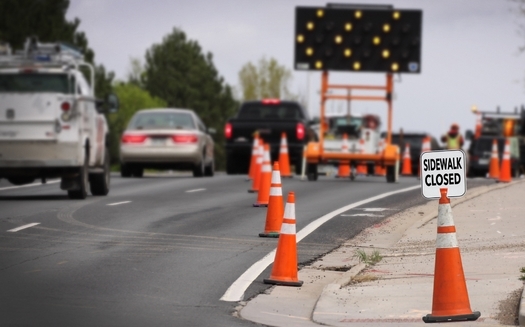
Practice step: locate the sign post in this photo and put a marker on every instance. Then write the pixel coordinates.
(443, 169)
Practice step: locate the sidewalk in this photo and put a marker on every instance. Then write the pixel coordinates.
(398, 291)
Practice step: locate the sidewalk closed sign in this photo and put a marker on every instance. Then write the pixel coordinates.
(443, 169)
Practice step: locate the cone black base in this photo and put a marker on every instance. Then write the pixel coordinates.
(274, 234)
(468, 317)
(252, 191)
(283, 283)
(260, 205)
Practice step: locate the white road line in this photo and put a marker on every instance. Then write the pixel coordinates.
(236, 291)
(362, 215)
(117, 203)
(29, 185)
(23, 227)
(196, 190)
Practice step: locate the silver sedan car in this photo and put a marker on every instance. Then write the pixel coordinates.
(166, 139)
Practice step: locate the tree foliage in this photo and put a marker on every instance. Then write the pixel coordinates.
(132, 98)
(46, 19)
(266, 80)
(177, 71)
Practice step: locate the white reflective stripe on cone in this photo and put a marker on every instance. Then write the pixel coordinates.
(446, 241)
(259, 160)
(276, 177)
(276, 191)
(266, 168)
(288, 229)
(284, 150)
(289, 211)
(445, 215)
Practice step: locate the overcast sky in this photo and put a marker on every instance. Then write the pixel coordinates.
(469, 55)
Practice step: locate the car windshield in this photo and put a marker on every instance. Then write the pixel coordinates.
(34, 82)
(262, 111)
(162, 120)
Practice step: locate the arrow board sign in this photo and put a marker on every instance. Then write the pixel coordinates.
(443, 169)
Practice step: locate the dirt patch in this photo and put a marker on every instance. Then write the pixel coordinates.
(509, 309)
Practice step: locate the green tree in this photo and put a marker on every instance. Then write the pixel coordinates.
(267, 80)
(132, 98)
(177, 71)
(46, 19)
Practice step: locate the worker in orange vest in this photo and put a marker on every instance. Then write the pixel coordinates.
(453, 140)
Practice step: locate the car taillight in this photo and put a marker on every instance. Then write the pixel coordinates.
(228, 131)
(133, 138)
(299, 130)
(270, 101)
(184, 138)
(65, 106)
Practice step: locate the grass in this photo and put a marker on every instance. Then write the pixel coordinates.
(369, 259)
(522, 271)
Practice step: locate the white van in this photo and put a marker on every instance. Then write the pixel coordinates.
(51, 124)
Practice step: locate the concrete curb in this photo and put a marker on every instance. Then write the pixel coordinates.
(521, 315)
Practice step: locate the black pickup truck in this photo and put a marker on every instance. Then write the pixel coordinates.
(270, 117)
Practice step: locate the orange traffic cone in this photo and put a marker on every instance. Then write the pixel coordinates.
(504, 173)
(407, 164)
(450, 300)
(380, 169)
(257, 170)
(284, 159)
(253, 160)
(494, 161)
(274, 214)
(284, 270)
(263, 196)
(344, 165)
(361, 168)
(477, 131)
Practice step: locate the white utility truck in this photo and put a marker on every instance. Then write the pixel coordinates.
(51, 124)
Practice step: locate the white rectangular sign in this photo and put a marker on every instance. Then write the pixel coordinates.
(443, 169)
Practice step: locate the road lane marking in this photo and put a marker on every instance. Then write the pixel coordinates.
(117, 203)
(196, 190)
(23, 227)
(28, 185)
(362, 215)
(236, 291)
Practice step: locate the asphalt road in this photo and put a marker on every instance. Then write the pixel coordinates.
(160, 250)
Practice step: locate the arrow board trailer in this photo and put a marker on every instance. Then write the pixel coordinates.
(443, 169)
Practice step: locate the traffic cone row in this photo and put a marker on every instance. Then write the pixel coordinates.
(256, 180)
(284, 159)
(344, 165)
(265, 179)
(253, 159)
(450, 300)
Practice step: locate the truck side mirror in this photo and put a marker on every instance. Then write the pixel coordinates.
(469, 135)
(112, 103)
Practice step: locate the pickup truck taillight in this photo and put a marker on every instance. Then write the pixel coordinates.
(186, 138)
(65, 106)
(299, 131)
(133, 138)
(228, 131)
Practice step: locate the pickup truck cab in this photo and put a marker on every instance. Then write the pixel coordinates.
(51, 124)
(270, 118)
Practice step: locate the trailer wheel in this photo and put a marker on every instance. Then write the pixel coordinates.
(391, 174)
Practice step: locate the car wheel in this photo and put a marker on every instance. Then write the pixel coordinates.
(82, 180)
(210, 169)
(99, 183)
(198, 169)
(125, 170)
(391, 175)
(138, 172)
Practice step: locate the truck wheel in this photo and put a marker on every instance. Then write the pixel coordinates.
(99, 183)
(125, 170)
(391, 175)
(210, 169)
(82, 180)
(299, 166)
(311, 172)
